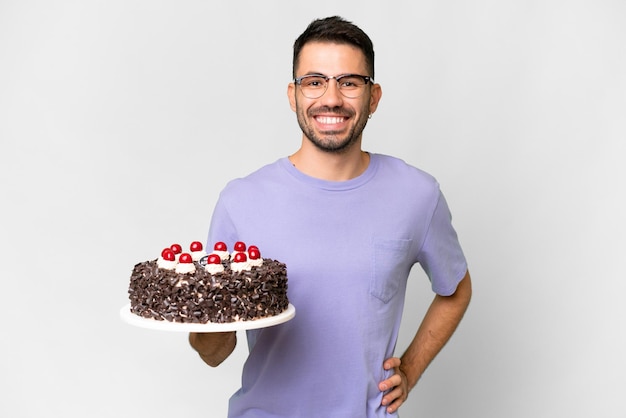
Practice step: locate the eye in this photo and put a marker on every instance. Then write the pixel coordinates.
(313, 82)
(350, 82)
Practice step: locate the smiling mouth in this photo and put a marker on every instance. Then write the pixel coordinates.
(330, 120)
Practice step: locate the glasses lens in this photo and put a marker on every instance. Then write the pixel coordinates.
(313, 86)
(351, 86)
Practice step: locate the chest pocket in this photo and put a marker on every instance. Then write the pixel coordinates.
(390, 267)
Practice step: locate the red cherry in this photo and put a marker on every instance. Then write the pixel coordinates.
(253, 247)
(240, 246)
(168, 254)
(254, 253)
(185, 258)
(214, 259)
(176, 248)
(220, 246)
(240, 258)
(196, 246)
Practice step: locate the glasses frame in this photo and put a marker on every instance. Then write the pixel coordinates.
(298, 81)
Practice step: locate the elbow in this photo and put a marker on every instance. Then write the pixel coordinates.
(464, 290)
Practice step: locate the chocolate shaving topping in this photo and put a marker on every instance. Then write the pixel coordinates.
(202, 298)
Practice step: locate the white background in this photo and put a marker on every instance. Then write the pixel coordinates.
(120, 122)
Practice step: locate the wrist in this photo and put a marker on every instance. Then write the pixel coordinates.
(411, 376)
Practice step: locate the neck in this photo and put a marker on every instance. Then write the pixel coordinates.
(330, 166)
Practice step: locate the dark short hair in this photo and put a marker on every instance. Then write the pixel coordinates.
(336, 30)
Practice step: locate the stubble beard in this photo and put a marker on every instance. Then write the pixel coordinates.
(331, 142)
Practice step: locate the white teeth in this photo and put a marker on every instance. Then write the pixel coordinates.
(327, 120)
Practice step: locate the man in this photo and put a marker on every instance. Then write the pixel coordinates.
(349, 225)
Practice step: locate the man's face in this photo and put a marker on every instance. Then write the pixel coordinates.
(333, 122)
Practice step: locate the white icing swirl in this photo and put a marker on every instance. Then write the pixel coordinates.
(166, 264)
(214, 268)
(197, 255)
(256, 263)
(184, 268)
(238, 267)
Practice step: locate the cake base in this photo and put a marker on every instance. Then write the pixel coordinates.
(202, 297)
(149, 323)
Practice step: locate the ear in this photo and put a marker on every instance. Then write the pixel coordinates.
(377, 93)
(291, 94)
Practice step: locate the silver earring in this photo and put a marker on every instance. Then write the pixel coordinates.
(370, 116)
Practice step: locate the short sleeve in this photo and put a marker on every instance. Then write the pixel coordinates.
(441, 255)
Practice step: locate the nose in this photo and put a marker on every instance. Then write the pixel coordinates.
(332, 97)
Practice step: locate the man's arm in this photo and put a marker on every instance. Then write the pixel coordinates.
(438, 325)
(213, 347)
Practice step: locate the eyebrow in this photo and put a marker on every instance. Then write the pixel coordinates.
(333, 76)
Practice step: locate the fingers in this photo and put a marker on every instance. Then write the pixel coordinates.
(394, 399)
(396, 386)
(391, 363)
(392, 382)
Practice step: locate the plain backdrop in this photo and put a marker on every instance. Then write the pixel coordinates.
(120, 122)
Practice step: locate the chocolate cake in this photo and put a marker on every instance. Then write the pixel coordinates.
(196, 287)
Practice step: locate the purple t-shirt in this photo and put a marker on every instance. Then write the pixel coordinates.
(349, 247)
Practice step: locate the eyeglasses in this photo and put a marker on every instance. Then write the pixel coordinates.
(314, 86)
